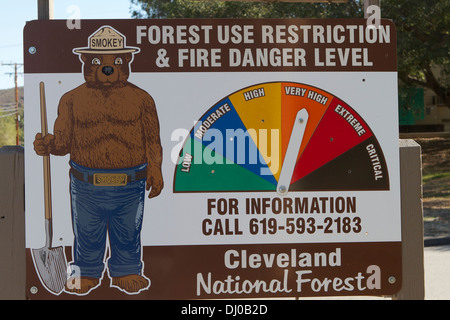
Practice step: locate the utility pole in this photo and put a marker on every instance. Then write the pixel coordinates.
(45, 9)
(17, 97)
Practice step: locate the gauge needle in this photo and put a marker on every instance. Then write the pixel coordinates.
(290, 158)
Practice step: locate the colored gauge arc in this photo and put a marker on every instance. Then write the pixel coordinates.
(281, 137)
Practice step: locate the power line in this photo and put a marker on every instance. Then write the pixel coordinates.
(7, 115)
(11, 45)
(8, 109)
(8, 105)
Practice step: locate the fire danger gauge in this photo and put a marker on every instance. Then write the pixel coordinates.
(281, 136)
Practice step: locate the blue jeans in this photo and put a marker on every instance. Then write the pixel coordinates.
(113, 210)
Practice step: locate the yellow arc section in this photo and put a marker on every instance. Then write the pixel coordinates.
(259, 108)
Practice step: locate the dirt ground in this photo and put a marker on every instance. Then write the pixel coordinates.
(436, 185)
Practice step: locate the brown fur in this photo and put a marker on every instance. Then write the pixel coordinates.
(81, 285)
(107, 122)
(132, 283)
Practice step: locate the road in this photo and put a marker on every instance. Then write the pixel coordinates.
(437, 272)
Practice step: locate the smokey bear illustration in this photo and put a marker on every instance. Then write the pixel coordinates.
(110, 128)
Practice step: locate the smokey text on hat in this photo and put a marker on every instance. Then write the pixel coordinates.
(106, 43)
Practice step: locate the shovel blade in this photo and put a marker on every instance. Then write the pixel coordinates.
(52, 268)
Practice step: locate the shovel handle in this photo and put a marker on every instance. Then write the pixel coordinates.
(44, 131)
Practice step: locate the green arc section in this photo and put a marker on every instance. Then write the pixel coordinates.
(219, 175)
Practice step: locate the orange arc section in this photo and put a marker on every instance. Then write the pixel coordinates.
(294, 97)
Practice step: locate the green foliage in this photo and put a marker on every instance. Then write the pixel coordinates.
(8, 117)
(435, 176)
(423, 38)
(7, 131)
(238, 9)
(8, 128)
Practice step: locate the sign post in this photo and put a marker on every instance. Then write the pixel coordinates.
(209, 159)
(45, 9)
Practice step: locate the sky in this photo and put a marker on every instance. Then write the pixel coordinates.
(15, 13)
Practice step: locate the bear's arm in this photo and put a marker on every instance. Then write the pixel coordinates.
(151, 130)
(63, 127)
(153, 148)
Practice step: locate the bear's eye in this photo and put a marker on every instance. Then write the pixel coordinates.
(96, 61)
(118, 61)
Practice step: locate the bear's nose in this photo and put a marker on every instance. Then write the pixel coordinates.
(108, 70)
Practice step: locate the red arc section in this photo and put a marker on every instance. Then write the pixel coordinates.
(339, 130)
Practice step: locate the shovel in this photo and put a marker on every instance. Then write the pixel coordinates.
(50, 262)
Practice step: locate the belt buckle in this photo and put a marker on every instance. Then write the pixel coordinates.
(110, 179)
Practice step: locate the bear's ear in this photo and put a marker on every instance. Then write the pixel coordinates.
(83, 57)
(128, 57)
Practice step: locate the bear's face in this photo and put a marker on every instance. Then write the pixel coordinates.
(105, 70)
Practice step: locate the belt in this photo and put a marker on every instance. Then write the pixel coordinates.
(109, 179)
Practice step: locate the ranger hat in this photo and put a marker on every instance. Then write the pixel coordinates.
(106, 40)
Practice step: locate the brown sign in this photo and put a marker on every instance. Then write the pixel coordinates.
(210, 159)
(202, 45)
(251, 271)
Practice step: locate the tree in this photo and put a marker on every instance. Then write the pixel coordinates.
(237, 9)
(423, 43)
(423, 28)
